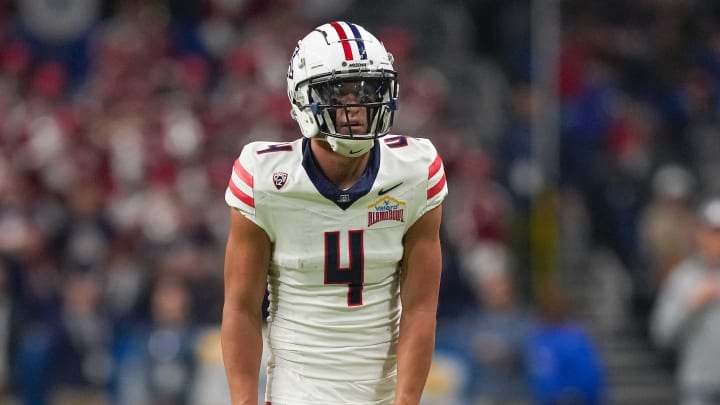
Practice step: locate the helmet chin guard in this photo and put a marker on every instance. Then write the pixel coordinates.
(350, 147)
(332, 61)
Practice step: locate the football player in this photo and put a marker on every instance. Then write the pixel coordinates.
(341, 227)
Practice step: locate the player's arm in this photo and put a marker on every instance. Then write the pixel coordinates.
(419, 289)
(247, 257)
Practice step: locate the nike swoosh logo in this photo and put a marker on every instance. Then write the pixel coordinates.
(387, 190)
(352, 152)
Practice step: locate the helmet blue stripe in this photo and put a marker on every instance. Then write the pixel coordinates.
(358, 40)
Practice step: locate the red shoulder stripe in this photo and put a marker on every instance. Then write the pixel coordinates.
(246, 177)
(434, 166)
(241, 194)
(432, 191)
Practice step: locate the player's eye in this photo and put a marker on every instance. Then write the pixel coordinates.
(336, 93)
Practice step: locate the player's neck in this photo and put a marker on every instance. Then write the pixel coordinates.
(340, 170)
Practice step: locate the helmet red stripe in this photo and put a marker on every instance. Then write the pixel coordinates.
(343, 40)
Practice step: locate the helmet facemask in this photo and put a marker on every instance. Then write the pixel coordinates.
(340, 94)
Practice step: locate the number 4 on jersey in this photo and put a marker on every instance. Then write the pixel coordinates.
(354, 274)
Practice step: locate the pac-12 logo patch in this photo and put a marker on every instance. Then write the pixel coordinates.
(386, 209)
(279, 179)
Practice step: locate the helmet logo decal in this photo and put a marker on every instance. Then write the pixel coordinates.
(279, 179)
(292, 58)
(357, 38)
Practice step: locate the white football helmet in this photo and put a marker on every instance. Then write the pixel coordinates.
(335, 59)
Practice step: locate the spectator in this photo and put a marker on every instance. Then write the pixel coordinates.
(491, 336)
(563, 365)
(686, 317)
(79, 361)
(665, 226)
(158, 359)
(483, 212)
(60, 30)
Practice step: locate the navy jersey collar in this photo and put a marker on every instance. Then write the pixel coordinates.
(341, 198)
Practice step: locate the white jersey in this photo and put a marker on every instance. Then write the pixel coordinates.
(333, 278)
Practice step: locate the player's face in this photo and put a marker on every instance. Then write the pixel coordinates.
(351, 119)
(348, 98)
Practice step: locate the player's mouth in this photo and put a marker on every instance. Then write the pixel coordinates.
(353, 127)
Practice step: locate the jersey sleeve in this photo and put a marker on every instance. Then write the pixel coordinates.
(241, 193)
(431, 183)
(436, 181)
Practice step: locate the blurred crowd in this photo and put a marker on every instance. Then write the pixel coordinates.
(120, 120)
